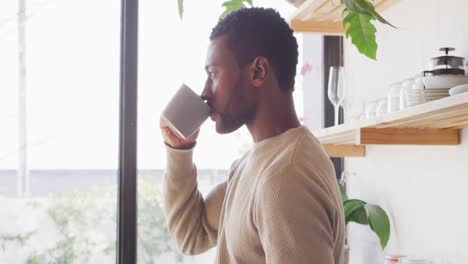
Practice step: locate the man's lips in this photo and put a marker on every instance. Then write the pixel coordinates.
(212, 110)
(209, 105)
(212, 115)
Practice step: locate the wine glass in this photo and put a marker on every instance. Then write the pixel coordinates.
(336, 89)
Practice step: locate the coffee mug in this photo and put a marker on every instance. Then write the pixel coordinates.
(185, 112)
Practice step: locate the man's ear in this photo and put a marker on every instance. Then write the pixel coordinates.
(259, 70)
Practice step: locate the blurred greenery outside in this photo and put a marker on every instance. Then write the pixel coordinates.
(86, 227)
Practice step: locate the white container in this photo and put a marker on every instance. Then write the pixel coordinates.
(459, 89)
(444, 81)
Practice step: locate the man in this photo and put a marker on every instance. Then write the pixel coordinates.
(280, 203)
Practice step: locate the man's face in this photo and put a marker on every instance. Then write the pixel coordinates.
(227, 88)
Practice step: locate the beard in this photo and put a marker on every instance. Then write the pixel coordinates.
(238, 112)
(228, 123)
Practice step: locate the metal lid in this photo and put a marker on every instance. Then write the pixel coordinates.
(448, 61)
(453, 71)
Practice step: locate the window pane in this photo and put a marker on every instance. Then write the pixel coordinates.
(59, 135)
(172, 52)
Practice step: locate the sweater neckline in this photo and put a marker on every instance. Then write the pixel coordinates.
(283, 136)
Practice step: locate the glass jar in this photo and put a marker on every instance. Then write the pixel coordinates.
(393, 97)
(371, 107)
(405, 90)
(381, 107)
(415, 95)
(418, 83)
(353, 111)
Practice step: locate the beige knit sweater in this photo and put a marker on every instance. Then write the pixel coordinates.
(280, 204)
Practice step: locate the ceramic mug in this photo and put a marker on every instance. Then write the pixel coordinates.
(185, 112)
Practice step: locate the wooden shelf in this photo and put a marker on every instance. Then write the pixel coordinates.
(433, 123)
(322, 16)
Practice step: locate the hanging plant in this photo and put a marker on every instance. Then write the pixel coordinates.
(229, 5)
(358, 16)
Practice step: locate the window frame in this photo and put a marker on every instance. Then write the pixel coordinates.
(127, 170)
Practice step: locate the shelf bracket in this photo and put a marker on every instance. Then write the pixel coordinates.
(410, 136)
(347, 150)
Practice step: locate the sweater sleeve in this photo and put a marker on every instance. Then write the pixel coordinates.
(192, 220)
(295, 219)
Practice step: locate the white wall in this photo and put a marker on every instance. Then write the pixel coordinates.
(423, 188)
(312, 84)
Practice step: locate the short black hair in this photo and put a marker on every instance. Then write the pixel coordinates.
(257, 31)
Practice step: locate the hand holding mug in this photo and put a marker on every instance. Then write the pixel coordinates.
(182, 118)
(173, 140)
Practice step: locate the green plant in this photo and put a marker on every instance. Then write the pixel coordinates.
(85, 223)
(21, 239)
(358, 15)
(364, 213)
(229, 5)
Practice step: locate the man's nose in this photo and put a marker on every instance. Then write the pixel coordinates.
(206, 93)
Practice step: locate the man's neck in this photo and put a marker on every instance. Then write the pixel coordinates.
(273, 119)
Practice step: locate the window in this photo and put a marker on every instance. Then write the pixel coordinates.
(59, 115)
(59, 90)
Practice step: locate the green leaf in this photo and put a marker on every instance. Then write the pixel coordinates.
(359, 216)
(351, 6)
(378, 221)
(362, 33)
(381, 19)
(180, 4)
(368, 8)
(365, 7)
(233, 5)
(350, 206)
(344, 196)
(344, 12)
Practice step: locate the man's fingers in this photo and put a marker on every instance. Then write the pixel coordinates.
(162, 122)
(171, 134)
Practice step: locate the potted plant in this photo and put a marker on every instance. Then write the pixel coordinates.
(361, 212)
(357, 14)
